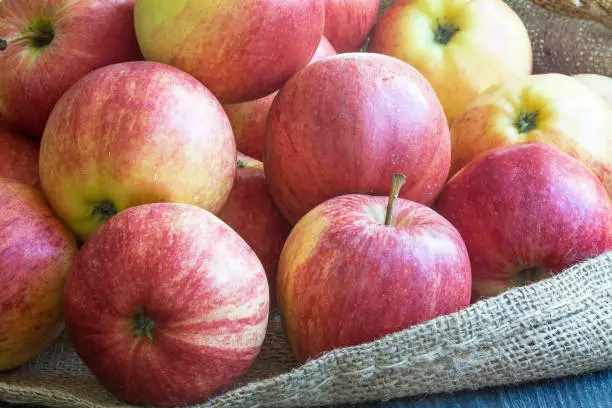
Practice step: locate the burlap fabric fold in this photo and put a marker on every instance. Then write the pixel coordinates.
(558, 327)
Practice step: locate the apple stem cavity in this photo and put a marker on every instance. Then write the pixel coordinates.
(105, 210)
(445, 32)
(526, 122)
(143, 326)
(397, 181)
(40, 34)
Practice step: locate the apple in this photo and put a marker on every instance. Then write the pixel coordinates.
(18, 156)
(526, 212)
(47, 46)
(549, 108)
(461, 46)
(240, 50)
(135, 133)
(252, 213)
(36, 253)
(345, 124)
(249, 119)
(358, 267)
(348, 22)
(166, 305)
(599, 83)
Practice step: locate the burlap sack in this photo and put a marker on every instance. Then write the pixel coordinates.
(554, 328)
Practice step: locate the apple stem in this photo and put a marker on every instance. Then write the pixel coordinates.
(39, 39)
(240, 164)
(397, 181)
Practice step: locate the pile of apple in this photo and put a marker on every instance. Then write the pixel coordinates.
(170, 172)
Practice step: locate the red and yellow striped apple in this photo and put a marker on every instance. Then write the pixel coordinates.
(526, 212)
(359, 267)
(461, 46)
(252, 213)
(166, 305)
(345, 124)
(36, 253)
(249, 119)
(240, 50)
(549, 108)
(48, 45)
(348, 22)
(598, 83)
(135, 133)
(18, 156)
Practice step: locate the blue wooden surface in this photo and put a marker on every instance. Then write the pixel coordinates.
(588, 391)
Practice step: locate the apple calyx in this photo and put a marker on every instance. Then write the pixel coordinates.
(445, 32)
(3, 44)
(143, 326)
(104, 209)
(397, 181)
(530, 275)
(526, 122)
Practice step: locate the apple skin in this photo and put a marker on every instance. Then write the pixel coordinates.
(370, 113)
(249, 119)
(524, 206)
(598, 83)
(18, 156)
(135, 133)
(241, 50)
(491, 45)
(345, 278)
(88, 34)
(348, 22)
(180, 272)
(36, 254)
(570, 117)
(252, 213)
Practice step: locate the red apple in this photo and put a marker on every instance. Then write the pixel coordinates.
(18, 156)
(249, 119)
(48, 45)
(241, 50)
(36, 253)
(526, 212)
(348, 22)
(166, 305)
(345, 124)
(355, 269)
(252, 213)
(135, 133)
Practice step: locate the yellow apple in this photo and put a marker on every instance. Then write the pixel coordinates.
(550, 108)
(599, 83)
(462, 47)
